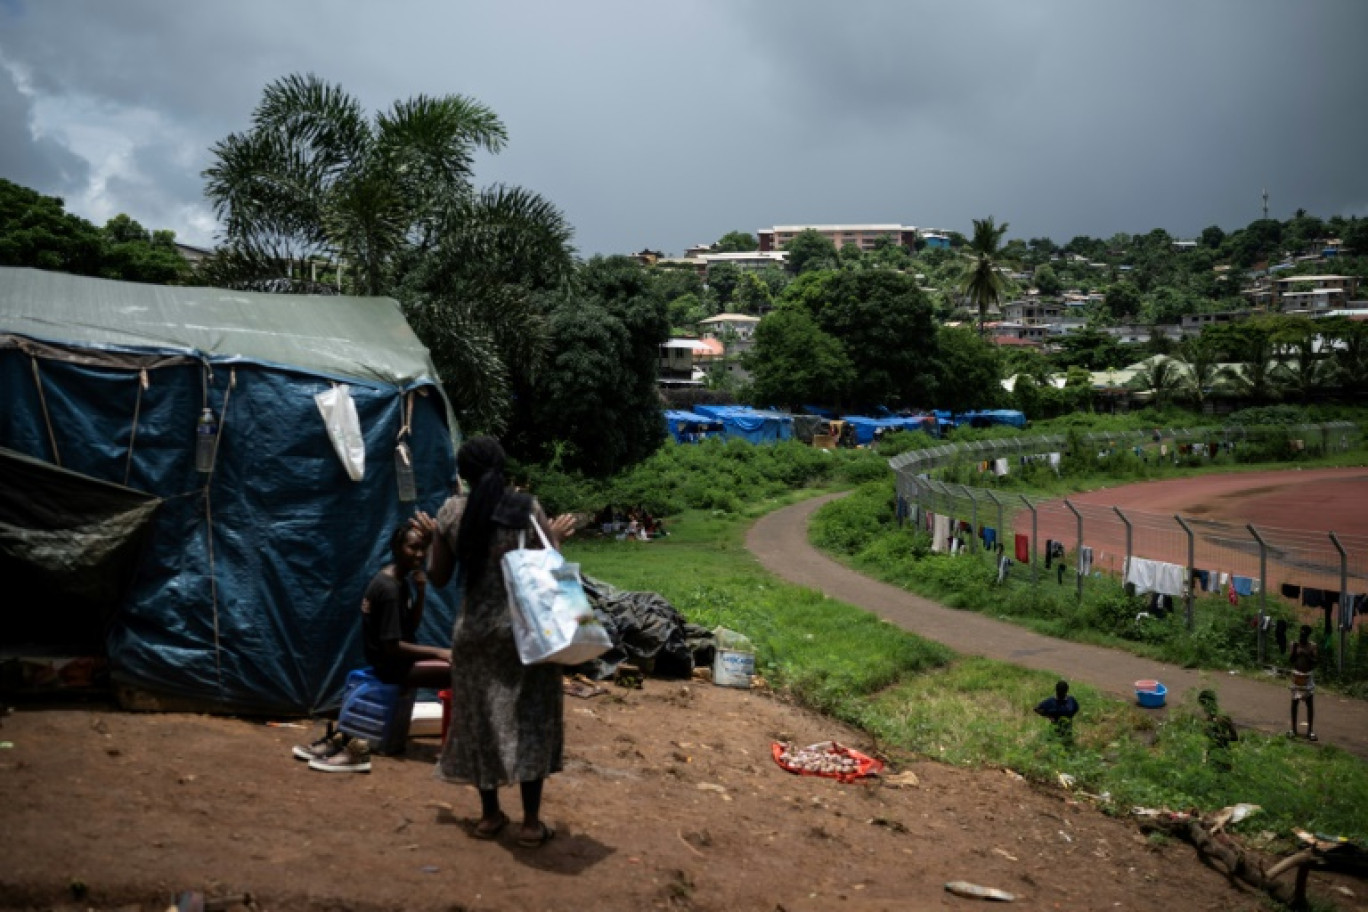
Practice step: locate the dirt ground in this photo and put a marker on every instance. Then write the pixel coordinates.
(669, 800)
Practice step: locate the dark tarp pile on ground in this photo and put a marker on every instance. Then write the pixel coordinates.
(646, 631)
(805, 427)
(246, 593)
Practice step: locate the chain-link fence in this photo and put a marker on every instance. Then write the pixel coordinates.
(1064, 542)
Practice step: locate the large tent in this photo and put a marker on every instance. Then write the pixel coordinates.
(234, 589)
(755, 425)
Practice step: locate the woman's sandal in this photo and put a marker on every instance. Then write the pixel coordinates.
(480, 831)
(539, 840)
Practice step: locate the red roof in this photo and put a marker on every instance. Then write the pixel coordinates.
(1013, 340)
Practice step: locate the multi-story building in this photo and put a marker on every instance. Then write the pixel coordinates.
(1033, 311)
(1193, 324)
(1314, 292)
(862, 236)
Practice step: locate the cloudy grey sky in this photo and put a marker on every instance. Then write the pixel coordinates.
(665, 124)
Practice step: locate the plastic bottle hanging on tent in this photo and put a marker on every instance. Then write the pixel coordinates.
(403, 471)
(206, 435)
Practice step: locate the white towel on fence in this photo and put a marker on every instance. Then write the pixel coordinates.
(1155, 576)
(940, 536)
(1000, 467)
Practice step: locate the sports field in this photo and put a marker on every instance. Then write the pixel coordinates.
(1294, 510)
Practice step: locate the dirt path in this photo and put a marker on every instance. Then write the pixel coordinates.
(780, 542)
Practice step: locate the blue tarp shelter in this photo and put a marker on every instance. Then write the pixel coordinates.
(246, 586)
(990, 417)
(866, 427)
(755, 425)
(691, 427)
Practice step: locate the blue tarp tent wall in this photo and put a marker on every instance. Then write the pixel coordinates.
(739, 421)
(678, 423)
(865, 427)
(990, 417)
(247, 593)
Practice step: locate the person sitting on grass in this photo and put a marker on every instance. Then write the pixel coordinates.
(1059, 709)
(391, 613)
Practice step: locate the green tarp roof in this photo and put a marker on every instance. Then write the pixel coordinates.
(364, 339)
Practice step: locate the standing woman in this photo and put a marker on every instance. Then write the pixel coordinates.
(506, 717)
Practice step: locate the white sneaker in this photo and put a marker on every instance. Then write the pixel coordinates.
(354, 757)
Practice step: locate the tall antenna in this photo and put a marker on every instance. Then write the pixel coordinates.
(1265, 199)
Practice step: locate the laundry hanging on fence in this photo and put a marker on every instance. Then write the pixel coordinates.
(1000, 467)
(940, 535)
(1155, 576)
(1290, 591)
(1023, 548)
(1280, 636)
(1160, 605)
(1312, 598)
(989, 536)
(1004, 563)
(1054, 462)
(1085, 560)
(1203, 579)
(1244, 585)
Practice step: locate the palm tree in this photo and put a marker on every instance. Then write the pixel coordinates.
(391, 198)
(1202, 372)
(1162, 377)
(1305, 369)
(1257, 376)
(984, 286)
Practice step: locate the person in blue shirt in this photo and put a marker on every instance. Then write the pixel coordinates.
(1059, 709)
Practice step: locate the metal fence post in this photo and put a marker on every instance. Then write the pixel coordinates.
(1125, 569)
(1263, 586)
(973, 521)
(993, 497)
(1035, 535)
(1344, 598)
(1191, 562)
(1078, 549)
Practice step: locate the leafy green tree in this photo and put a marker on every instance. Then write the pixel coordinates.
(1091, 350)
(37, 231)
(1026, 397)
(1212, 236)
(1123, 301)
(794, 362)
(752, 295)
(1355, 237)
(722, 281)
(985, 286)
(809, 251)
(1047, 282)
(885, 324)
(686, 310)
(597, 397)
(134, 254)
(736, 242)
(969, 371)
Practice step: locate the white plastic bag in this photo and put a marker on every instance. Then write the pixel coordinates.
(344, 429)
(552, 619)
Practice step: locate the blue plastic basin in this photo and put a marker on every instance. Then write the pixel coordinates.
(1152, 699)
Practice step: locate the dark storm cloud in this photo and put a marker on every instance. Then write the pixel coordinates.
(665, 125)
(37, 162)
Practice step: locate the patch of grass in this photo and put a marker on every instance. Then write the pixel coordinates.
(918, 698)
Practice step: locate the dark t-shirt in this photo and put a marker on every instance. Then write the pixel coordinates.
(1055, 709)
(386, 617)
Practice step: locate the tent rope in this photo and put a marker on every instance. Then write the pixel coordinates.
(209, 527)
(407, 428)
(133, 435)
(47, 419)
